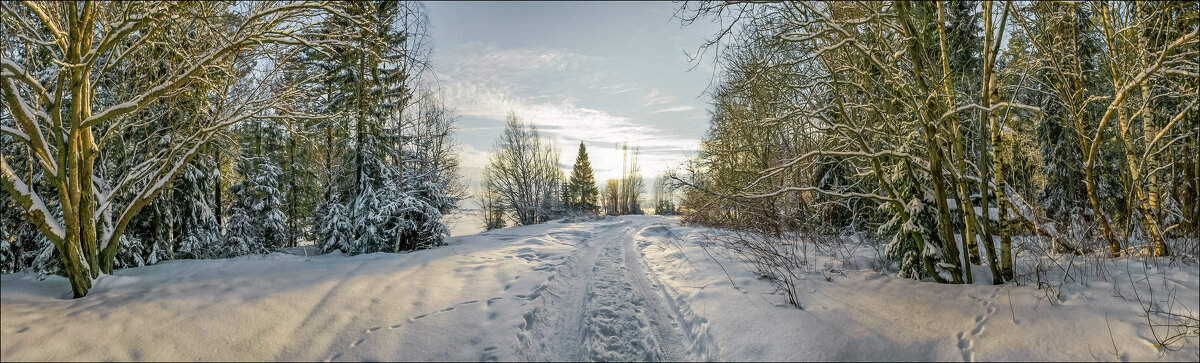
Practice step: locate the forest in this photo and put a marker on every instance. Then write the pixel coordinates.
(949, 130)
(875, 180)
(137, 132)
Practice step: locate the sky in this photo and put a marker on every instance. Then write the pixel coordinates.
(603, 73)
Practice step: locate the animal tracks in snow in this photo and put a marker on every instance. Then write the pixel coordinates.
(967, 340)
(367, 333)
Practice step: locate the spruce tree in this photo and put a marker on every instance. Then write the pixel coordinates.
(368, 222)
(335, 231)
(267, 209)
(200, 231)
(582, 192)
(241, 231)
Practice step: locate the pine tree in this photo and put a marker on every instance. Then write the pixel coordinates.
(335, 231)
(267, 208)
(412, 213)
(256, 223)
(1066, 30)
(581, 190)
(368, 223)
(200, 232)
(241, 233)
(964, 43)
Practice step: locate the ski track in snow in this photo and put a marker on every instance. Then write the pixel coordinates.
(601, 305)
(598, 303)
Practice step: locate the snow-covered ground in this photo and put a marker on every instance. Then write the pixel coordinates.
(627, 288)
(464, 221)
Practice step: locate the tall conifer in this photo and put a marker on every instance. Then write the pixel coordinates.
(582, 188)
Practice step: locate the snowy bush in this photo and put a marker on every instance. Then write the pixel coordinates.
(414, 214)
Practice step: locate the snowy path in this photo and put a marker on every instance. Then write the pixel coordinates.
(602, 306)
(629, 288)
(553, 291)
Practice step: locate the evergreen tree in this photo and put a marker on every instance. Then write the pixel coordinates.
(1066, 30)
(335, 231)
(412, 212)
(200, 230)
(963, 44)
(256, 223)
(291, 125)
(21, 245)
(267, 208)
(368, 222)
(582, 193)
(242, 232)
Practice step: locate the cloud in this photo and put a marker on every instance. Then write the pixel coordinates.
(655, 98)
(675, 109)
(539, 85)
(471, 162)
(625, 90)
(472, 157)
(470, 59)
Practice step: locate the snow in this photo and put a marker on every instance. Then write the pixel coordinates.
(621, 288)
(36, 207)
(15, 132)
(464, 221)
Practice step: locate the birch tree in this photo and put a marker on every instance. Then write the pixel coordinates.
(524, 174)
(58, 118)
(1133, 68)
(912, 109)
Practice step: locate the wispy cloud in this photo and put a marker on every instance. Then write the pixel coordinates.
(483, 59)
(625, 90)
(488, 82)
(655, 98)
(676, 109)
(561, 118)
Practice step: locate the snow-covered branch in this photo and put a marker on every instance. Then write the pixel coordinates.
(33, 204)
(1123, 92)
(26, 120)
(776, 193)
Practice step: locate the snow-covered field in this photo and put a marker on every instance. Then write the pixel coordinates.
(627, 288)
(464, 221)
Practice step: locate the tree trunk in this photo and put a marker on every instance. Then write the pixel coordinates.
(934, 151)
(217, 211)
(1005, 267)
(291, 196)
(989, 57)
(359, 137)
(400, 165)
(170, 238)
(935, 174)
(80, 258)
(971, 250)
(1138, 194)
